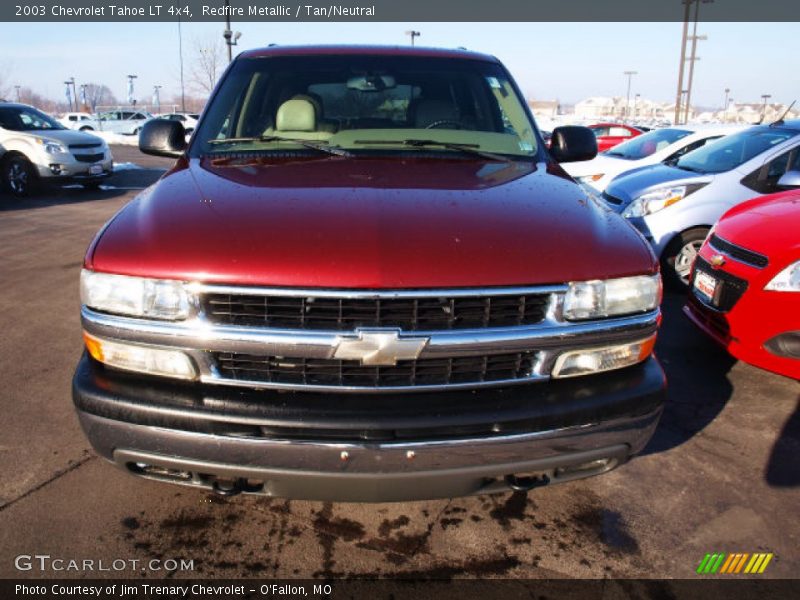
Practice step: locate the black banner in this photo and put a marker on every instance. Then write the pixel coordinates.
(394, 10)
(457, 589)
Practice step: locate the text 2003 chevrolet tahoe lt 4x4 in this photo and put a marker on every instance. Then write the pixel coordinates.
(365, 278)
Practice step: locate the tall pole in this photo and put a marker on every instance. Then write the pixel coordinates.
(764, 97)
(412, 34)
(74, 92)
(16, 87)
(228, 33)
(679, 94)
(180, 55)
(695, 38)
(629, 74)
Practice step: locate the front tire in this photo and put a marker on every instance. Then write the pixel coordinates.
(18, 176)
(679, 255)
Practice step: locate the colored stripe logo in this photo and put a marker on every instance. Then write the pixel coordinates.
(734, 563)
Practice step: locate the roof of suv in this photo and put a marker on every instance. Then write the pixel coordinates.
(368, 50)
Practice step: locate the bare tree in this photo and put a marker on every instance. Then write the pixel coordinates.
(98, 94)
(209, 62)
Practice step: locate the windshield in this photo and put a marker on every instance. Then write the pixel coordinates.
(366, 104)
(17, 118)
(647, 144)
(731, 151)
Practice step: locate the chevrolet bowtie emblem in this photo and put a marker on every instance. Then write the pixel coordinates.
(379, 347)
(717, 261)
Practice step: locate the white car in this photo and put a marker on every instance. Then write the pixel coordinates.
(189, 120)
(34, 147)
(81, 121)
(656, 146)
(125, 122)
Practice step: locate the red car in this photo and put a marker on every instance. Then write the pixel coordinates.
(610, 134)
(745, 285)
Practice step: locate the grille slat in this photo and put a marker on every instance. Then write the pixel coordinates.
(334, 372)
(737, 252)
(346, 314)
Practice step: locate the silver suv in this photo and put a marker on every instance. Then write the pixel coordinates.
(34, 148)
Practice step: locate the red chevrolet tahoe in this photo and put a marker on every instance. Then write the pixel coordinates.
(366, 278)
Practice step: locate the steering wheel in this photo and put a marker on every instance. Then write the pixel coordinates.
(443, 122)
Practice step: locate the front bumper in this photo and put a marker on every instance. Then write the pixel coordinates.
(375, 448)
(65, 168)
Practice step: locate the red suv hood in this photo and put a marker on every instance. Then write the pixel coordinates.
(768, 225)
(368, 223)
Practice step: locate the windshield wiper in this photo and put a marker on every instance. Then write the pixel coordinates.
(311, 145)
(465, 148)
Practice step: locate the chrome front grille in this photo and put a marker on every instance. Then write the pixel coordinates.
(422, 313)
(350, 373)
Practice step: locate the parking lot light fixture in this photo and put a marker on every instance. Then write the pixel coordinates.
(629, 75)
(413, 34)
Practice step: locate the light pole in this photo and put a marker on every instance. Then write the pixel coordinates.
(629, 74)
(157, 98)
(131, 98)
(725, 104)
(231, 37)
(70, 94)
(636, 106)
(16, 88)
(413, 34)
(180, 57)
(764, 97)
(679, 94)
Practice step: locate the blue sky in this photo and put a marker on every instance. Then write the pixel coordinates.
(565, 61)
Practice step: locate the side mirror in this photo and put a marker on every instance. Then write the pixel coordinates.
(161, 137)
(789, 180)
(573, 143)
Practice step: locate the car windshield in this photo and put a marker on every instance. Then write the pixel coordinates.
(17, 118)
(367, 104)
(647, 144)
(731, 151)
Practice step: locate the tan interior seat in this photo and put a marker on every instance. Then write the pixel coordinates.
(297, 118)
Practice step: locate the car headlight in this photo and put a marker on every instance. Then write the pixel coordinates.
(612, 297)
(657, 200)
(134, 296)
(590, 178)
(51, 146)
(787, 280)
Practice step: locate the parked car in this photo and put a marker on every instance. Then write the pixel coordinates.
(653, 147)
(745, 290)
(674, 206)
(36, 148)
(365, 278)
(610, 134)
(125, 122)
(81, 121)
(189, 120)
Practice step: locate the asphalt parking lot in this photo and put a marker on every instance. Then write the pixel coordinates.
(721, 473)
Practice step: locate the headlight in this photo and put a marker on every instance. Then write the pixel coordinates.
(590, 178)
(612, 297)
(597, 360)
(142, 359)
(657, 200)
(51, 146)
(787, 280)
(134, 296)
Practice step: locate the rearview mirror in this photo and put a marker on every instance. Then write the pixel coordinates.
(161, 137)
(790, 179)
(572, 143)
(371, 83)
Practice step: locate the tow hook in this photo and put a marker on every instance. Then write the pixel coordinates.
(526, 484)
(234, 487)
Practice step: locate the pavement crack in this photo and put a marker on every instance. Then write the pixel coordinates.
(48, 481)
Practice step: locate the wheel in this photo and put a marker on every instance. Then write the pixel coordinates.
(87, 128)
(679, 255)
(18, 176)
